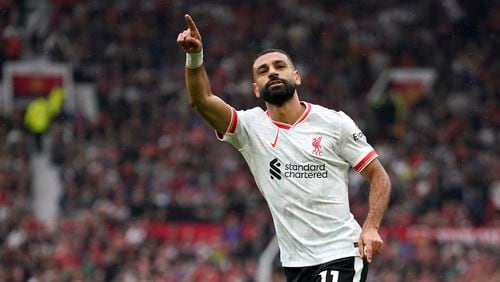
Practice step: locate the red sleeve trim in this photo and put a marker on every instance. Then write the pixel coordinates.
(234, 122)
(365, 161)
(232, 125)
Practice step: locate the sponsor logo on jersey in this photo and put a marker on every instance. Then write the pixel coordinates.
(295, 170)
(358, 136)
(274, 169)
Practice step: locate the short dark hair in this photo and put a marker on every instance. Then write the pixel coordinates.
(272, 50)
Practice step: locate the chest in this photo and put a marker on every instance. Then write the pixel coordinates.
(301, 143)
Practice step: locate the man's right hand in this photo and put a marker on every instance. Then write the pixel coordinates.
(190, 39)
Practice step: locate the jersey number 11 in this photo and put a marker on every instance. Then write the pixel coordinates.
(333, 277)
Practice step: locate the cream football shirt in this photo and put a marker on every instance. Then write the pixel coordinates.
(302, 172)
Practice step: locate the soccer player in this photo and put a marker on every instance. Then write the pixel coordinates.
(300, 155)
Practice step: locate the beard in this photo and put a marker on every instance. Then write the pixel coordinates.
(278, 96)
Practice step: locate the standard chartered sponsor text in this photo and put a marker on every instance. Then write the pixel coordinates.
(305, 170)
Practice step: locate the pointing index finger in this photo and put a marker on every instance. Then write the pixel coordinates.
(190, 23)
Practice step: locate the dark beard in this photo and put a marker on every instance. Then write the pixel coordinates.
(278, 96)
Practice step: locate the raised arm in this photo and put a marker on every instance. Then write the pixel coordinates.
(370, 242)
(215, 111)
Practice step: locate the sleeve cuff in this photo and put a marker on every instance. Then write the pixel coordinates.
(365, 161)
(231, 129)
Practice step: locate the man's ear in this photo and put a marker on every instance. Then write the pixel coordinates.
(256, 90)
(297, 77)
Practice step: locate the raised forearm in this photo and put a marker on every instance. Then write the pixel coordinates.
(215, 111)
(198, 86)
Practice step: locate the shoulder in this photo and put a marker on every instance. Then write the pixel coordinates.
(326, 114)
(250, 115)
(253, 112)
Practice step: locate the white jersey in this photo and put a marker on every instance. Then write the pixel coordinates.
(302, 172)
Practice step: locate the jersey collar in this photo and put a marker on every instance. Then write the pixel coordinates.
(301, 119)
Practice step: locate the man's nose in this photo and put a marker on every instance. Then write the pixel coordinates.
(272, 72)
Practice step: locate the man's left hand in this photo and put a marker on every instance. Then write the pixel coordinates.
(370, 243)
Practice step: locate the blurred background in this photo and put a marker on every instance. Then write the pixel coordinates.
(106, 173)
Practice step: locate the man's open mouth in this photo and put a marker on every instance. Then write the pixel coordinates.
(275, 83)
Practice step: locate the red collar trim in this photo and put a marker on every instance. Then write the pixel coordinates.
(301, 119)
(305, 114)
(282, 125)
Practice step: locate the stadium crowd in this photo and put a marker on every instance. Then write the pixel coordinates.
(149, 158)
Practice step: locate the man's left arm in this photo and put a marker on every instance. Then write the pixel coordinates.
(370, 243)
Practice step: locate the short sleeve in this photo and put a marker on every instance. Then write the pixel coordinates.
(236, 133)
(354, 147)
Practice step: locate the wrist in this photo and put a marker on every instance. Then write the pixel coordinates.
(194, 60)
(368, 224)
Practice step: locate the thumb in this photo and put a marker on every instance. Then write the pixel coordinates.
(193, 44)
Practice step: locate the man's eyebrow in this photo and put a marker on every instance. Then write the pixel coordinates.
(280, 62)
(273, 63)
(261, 67)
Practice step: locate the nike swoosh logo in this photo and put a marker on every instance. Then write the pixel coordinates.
(275, 143)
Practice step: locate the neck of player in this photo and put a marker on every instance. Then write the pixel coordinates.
(287, 113)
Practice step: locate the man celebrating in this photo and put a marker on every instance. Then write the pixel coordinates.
(300, 155)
